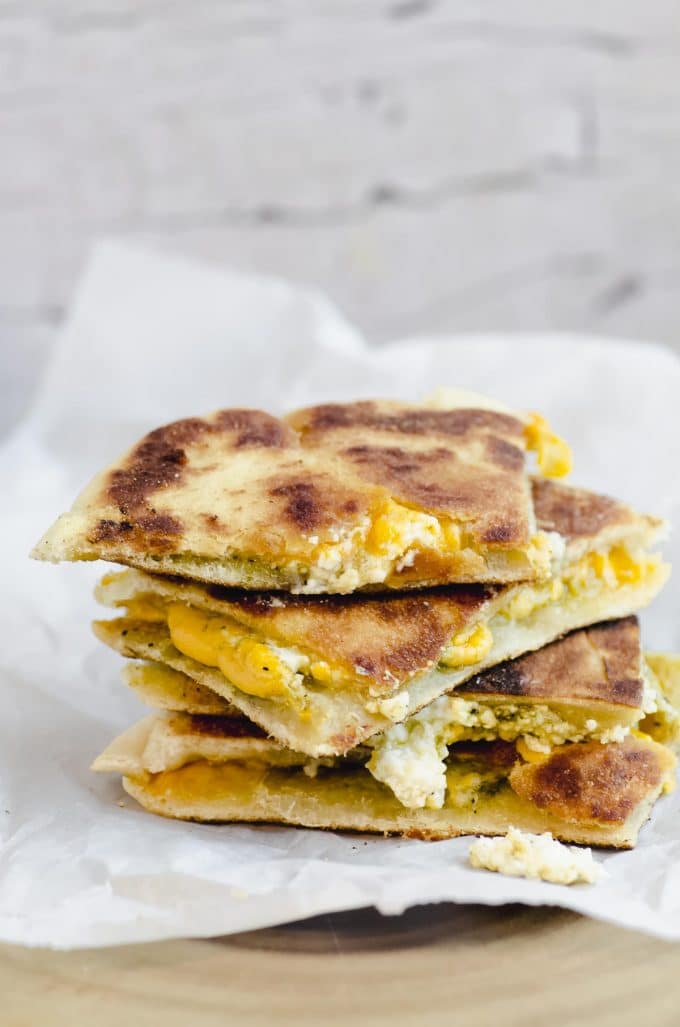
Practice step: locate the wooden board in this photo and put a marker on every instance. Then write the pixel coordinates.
(435, 965)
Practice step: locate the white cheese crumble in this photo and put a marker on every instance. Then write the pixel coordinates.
(343, 563)
(413, 765)
(311, 766)
(292, 658)
(652, 697)
(407, 560)
(395, 708)
(537, 856)
(410, 758)
(613, 734)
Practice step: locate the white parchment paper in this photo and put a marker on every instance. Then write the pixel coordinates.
(152, 338)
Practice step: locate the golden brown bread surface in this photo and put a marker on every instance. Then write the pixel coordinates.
(577, 513)
(594, 783)
(391, 637)
(162, 688)
(563, 706)
(348, 798)
(458, 463)
(385, 640)
(331, 720)
(596, 663)
(308, 619)
(241, 498)
(225, 768)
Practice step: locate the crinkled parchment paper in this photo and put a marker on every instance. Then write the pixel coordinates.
(151, 338)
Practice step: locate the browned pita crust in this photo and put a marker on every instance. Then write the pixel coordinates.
(241, 498)
(601, 663)
(162, 688)
(385, 641)
(580, 516)
(392, 638)
(456, 463)
(332, 719)
(619, 783)
(594, 783)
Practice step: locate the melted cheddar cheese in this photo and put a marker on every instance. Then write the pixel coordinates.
(396, 529)
(263, 668)
(468, 647)
(612, 569)
(260, 667)
(552, 453)
(256, 667)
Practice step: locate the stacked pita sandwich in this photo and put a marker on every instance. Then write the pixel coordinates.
(380, 617)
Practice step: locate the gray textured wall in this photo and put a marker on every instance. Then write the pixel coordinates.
(432, 165)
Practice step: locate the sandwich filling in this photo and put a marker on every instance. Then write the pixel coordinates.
(332, 499)
(585, 792)
(412, 758)
(458, 746)
(287, 673)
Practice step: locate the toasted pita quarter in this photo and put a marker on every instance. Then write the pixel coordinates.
(324, 674)
(588, 792)
(332, 499)
(592, 686)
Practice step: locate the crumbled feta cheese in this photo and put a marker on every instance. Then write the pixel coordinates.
(344, 561)
(394, 708)
(558, 547)
(464, 790)
(614, 734)
(450, 719)
(292, 658)
(650, 691)
(413, 765)
(656, 703)
(535, 744)
(311, 766)
(539, 856)
(407, 560)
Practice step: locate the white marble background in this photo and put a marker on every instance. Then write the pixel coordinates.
(508, 164)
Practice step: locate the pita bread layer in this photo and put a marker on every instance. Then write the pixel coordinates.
(165, 689)
(586, 686)
(388, 639)
(335, 498)
(386, 657)
(331, 722)
(588, 793)
(526, 702)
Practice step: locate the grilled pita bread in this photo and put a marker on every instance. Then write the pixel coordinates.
(589, 793)
(591, 686)
(335, 498)
(224, 768)
(322, 675)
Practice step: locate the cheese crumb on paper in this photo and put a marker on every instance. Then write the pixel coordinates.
(540, 856)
